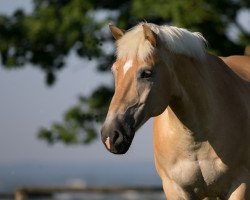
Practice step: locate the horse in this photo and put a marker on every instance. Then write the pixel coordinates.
(239, 64)
(200, 108)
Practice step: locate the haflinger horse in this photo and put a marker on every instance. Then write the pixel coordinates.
(239, 64)
(201, 112)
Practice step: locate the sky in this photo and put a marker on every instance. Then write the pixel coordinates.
(26, 104)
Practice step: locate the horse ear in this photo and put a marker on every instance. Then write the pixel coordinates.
(149, 34)
(116, 32)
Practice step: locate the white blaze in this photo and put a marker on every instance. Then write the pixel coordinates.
(127, 66)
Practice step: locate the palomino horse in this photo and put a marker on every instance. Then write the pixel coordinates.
(201, 111)
(240, 65)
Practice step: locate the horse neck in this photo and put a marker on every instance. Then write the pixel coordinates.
(198, 101)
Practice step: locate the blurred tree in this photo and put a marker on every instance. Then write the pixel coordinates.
(55, 28)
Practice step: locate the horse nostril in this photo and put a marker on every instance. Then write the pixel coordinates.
(117, 137)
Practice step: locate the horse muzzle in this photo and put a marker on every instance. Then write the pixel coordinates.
(117, 136)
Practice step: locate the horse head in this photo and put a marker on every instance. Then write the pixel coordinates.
(142, 86)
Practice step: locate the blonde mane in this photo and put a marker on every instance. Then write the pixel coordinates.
(177, 40)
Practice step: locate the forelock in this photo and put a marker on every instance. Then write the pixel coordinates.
(133, 44)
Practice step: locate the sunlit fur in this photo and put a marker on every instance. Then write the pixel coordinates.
(240, 65)
(178, 40)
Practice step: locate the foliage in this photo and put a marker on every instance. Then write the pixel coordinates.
(55, 28)
(80, 118)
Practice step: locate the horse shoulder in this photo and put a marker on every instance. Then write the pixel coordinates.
(174, 150)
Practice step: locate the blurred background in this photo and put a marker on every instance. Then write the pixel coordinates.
(56, 85)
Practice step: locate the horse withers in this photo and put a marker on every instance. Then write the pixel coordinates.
(201, 112)
(239, 64)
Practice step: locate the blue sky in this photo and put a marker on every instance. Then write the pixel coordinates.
(27, 103)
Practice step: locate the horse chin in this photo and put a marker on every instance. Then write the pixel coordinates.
(119, 151)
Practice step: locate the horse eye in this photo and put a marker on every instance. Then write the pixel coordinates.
(146, 74)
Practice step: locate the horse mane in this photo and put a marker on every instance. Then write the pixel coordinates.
(174, 39)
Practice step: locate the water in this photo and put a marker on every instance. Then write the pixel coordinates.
(77, 175)
(129, 195)
(74, 175)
